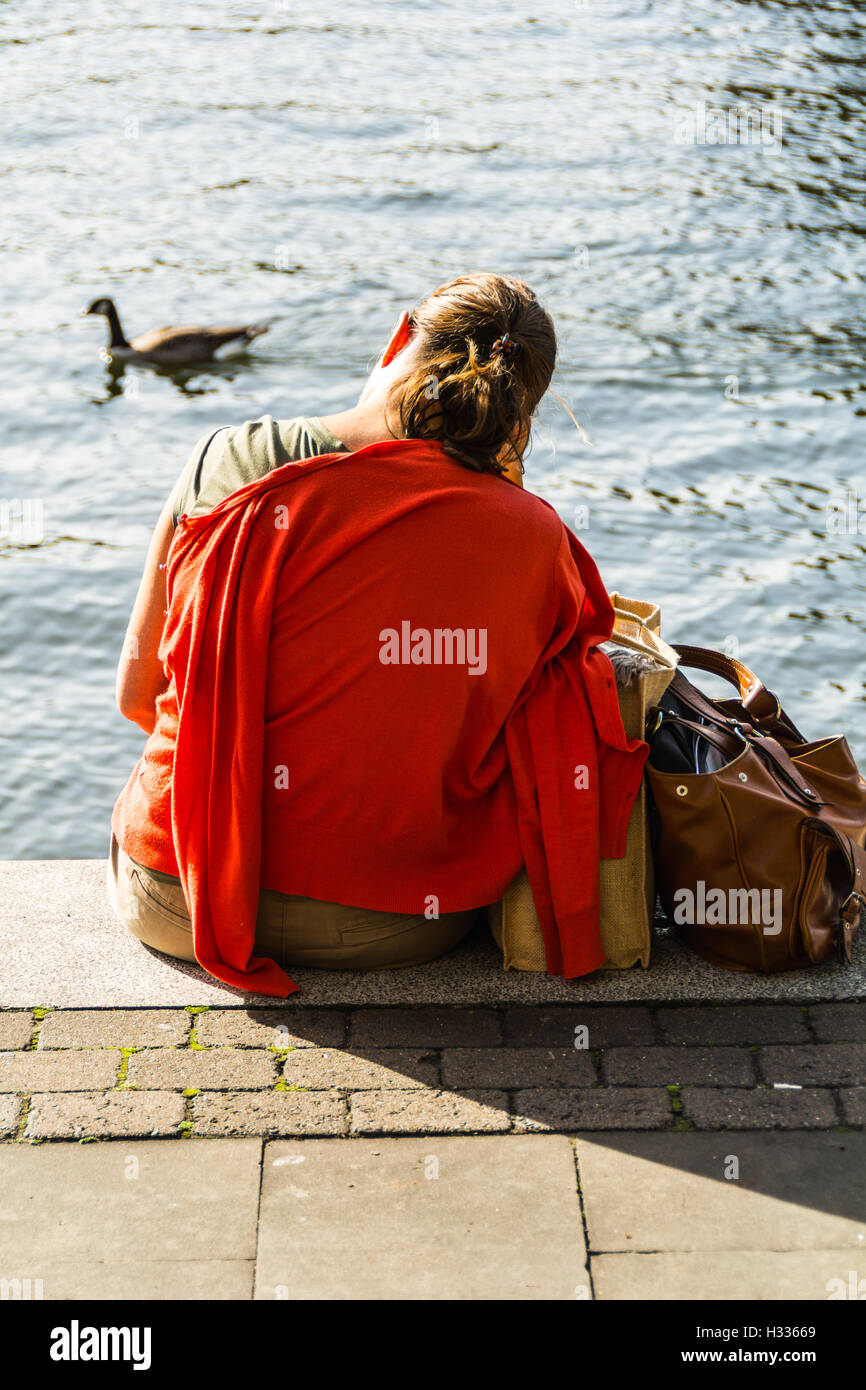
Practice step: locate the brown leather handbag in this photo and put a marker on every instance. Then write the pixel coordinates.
(760, 836)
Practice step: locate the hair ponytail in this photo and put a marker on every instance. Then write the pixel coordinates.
(487, 353)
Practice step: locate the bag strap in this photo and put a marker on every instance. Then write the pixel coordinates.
(852, 905)
(774, 755)
(767, 749)
(729, 740)
(698, 703)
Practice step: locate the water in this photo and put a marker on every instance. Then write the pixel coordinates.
(325, 166)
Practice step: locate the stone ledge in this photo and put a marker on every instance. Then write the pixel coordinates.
(62, 947)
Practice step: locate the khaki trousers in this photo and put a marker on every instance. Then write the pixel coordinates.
(289, 930)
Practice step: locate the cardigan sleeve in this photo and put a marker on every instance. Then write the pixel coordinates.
(575, 773)
(222, 576)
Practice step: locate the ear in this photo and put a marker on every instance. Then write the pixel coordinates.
(399, 338)
(511, 456)
(513, 468)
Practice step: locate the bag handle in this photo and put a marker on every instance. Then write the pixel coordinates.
(762, 707)
(754, 695)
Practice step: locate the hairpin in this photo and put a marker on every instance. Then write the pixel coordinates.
(504, 344)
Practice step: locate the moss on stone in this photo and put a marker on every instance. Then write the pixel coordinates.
(676, 1101)
(121, 1083)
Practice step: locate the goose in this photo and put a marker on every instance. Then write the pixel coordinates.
(168, 347)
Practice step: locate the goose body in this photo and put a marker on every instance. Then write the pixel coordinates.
(181, 346)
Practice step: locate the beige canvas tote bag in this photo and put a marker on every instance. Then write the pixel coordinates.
(644, 665)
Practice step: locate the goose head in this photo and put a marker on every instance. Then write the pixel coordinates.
(106, 308)
(101, 306)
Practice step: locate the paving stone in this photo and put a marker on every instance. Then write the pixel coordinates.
(606, 1025)
(425, 1112)
(269, 1113)
(725, 1108)
(821, 1064)
(298, 1027)
(109, 1280)
(839, 1022)
(599, 1107)
(734, 1023)
(375, 1069)
(854, 1104)
(144, 1200)
(15, 1029)
(517, 1066)
(677, 1066)
(10, 1112)
(220, 1069)
(672, 1192)
(102, 1114)
(725, 1276)
(425, 1028)
(58, 1071)
(114, 1028)
(487, 1218)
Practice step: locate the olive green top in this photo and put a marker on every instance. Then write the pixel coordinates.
(234, 455)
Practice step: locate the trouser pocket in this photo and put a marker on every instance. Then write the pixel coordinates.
(373, 927)
(165, 897)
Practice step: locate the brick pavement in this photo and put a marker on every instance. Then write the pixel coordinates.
(188, 1073)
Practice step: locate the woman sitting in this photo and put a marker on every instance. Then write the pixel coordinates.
(368, 665)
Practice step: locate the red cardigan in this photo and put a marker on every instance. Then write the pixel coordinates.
(316, 739)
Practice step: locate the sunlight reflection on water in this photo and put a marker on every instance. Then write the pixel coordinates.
(324, 171)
